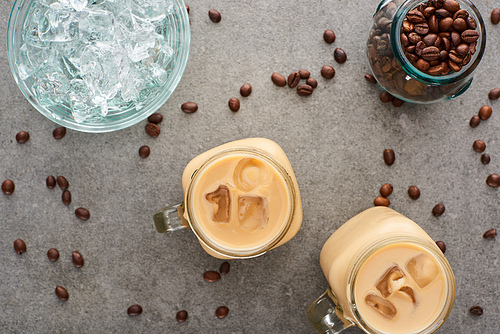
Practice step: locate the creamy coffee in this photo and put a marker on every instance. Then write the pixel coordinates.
(240, 201)
(401, 288)
(387, 274)
(242, 198)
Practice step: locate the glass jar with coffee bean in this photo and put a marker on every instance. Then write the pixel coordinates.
(425, 51)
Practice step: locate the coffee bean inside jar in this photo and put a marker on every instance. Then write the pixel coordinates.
(438, 40)
(425, 51)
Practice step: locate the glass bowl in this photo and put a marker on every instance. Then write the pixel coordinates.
(119, 116)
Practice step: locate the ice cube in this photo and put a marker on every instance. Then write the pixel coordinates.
(68, 68)
(97, 25)
(221, 201)
(103, 66)
(33, 57)
(80, 100)
(35, 24)
(381, 305)
(59, 26)
(253, 212)
(423, 269)
(388, 283)
(132, 85)
(79, 5)
(136, 36)
(407, 292)
(152, 10)
(163, 56)
(250, 173)
(56, 4)
(51, 85)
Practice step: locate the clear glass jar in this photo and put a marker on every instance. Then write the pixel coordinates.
(397, 75)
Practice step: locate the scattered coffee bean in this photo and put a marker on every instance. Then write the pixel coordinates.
(19, 246)
(155, 118)
(304, 90)
(22, 137)
(62, 182)
(77, 259)
(485, 112)
(485, 159)
(389, 156)
(438, 210)
(329, 36)
(53, 254)
(495, 16)
(62, 293)
(479, 146)
(189, 107)
(476, 310)
(66, 197)
(397, 102)
(327, 72)
(222, 312)
(82, 213)
(474, 121)
(494, 94)
(211, 276)
(493, 180)
(441, 246)
(234, 104)
(246, 90)
(224, 268)
(8, 187)
(59, 132)
(386, 190)
(312, 82)
(50, 182)
(490, 234)
(181, 316)
(293, 79)
(370, 78)
(304, 74)
(134, 310)
(187, 8)
(214, 16)
(144, 151)
(278, 79)
(381, 201)
(386, 97)
(153, 130)
(414, 192)
(339, 55)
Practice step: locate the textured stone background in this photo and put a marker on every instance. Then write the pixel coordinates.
(334, 140)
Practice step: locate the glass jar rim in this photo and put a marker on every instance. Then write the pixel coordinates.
(405, 238)
(232, 252)
(415, 73)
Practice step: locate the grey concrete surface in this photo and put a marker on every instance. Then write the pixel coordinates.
(334, 140)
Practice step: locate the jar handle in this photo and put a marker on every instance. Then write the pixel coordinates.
(170, 219)
(325, 316)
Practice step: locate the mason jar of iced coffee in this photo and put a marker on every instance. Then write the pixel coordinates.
(241, 199)
(425, 51)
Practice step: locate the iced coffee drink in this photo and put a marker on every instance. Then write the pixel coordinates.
(385, 275)
(241, 199)
(401, 288)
